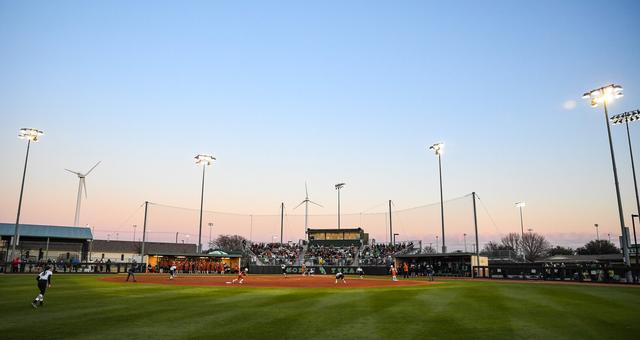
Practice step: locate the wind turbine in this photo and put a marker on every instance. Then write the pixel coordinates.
(306, 202)
(81, 184)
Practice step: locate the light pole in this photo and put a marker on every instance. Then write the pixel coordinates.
(134, 232)
(338, 187)
(203, 160)
(210, 227)
(465, 241)
(597, 232)
(438, 149)
(521, 205)
(31, 135)
(437, 244)
(635, 240)
(603, 96)
(394, 238)
(627, 117)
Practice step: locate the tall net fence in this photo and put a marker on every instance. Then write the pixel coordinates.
(166, 223)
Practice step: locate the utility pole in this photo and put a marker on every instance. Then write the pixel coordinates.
(391, 224)
(475, 223)
(281, 221)
(144, 233)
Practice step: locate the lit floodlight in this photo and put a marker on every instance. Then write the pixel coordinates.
(520, 204)
(340, 185)
(30, 134)
(437, 148)
(604, 94)
(204, 159)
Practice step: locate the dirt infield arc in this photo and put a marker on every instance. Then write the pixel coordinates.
(267, 281)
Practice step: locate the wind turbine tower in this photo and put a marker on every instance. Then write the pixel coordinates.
(306, 202)
(82, 185)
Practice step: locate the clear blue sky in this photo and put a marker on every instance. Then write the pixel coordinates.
(284, 92)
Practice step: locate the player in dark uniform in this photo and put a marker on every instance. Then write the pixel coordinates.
(131, 272)
(44, 281)
(340, 276)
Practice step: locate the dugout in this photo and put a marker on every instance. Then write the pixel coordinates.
(337, 237)
(445, 264)
(46, 242)
(194, 262)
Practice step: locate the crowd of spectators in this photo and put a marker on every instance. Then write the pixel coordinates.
(330, 255)
(201, 266)
(276, 253)
(381, 254)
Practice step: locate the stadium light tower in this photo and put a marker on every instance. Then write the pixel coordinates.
(203, 160)
(604, 95)
(521, 205)
(31, 135)
(625, 118)
(597, 232)
(438, 149)
(338, 187)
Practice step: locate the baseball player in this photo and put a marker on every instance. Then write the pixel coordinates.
(394, 273)
(340, 276)
(44, 281)
(172, 270)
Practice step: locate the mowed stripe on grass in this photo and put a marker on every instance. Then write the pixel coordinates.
(82, 307)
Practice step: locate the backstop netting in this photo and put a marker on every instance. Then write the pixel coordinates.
(167, 223)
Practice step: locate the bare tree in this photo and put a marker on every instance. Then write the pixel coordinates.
(535, 246)
(512, 241)
(228, 243)
(429, 250)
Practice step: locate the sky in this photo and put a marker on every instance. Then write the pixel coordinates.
(335, 91)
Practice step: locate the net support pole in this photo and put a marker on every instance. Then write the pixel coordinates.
(391, 225)
(144, 232)
(281, 221)
(475, 224)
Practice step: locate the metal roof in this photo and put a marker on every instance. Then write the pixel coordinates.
(34, 230)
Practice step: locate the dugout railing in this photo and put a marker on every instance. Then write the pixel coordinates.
(78, 268)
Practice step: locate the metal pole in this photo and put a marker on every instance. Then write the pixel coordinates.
(521, 232)
(204, 166)
(46, 254)
(134, 232)
(597, 232)
(391, 224)
(338, 208)
(475, 223)
(635, 240)
(251, 228)
(176, 237)
(144, 232)
(625, 248)
(465, 242)
(444, 247)
(635, 186)
(281, 221)
(16, 233)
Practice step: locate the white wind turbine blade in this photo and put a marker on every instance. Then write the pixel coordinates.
(88, 172)
(310, 201)
(301, 203)
(74, 172)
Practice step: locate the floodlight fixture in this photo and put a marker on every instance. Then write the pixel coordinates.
(30, 133)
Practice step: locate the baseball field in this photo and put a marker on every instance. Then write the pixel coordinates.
(99, 307)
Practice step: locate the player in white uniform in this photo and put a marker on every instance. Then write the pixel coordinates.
(284, 270)
(360, 272)
(172, 270)
(44, 281)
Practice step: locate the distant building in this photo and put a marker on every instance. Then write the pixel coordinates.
(127, 251)
(43, 242)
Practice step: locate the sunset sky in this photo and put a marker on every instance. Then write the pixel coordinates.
(334, 91)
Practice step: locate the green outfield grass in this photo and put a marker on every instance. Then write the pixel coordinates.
(83, 307)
